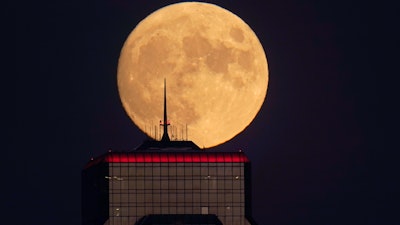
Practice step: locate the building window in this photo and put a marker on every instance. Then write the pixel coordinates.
(204, 210)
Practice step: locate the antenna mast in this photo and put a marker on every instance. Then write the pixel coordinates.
(165, 137)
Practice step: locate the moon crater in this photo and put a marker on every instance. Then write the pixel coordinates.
(236, 34)
(195, 46)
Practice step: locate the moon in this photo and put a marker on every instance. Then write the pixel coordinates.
(215, 68)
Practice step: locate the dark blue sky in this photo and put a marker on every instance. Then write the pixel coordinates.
(312, 145)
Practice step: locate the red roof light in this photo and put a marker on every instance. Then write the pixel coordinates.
(173, 157)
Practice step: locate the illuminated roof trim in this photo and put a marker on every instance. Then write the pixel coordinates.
(176, 157)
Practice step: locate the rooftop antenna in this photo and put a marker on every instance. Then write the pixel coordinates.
(165, 137)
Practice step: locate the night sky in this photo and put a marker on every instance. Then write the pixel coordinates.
(313, 144)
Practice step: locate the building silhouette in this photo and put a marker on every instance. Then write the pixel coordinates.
(167, 182)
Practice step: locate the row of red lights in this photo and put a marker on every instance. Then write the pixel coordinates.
(152, 157)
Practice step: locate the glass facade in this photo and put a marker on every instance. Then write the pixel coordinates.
(140, 188)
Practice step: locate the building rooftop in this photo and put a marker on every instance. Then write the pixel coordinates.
(152, 145)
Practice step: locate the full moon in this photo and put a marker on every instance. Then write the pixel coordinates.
(215, 69)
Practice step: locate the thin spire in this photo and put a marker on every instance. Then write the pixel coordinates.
(165, 136)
